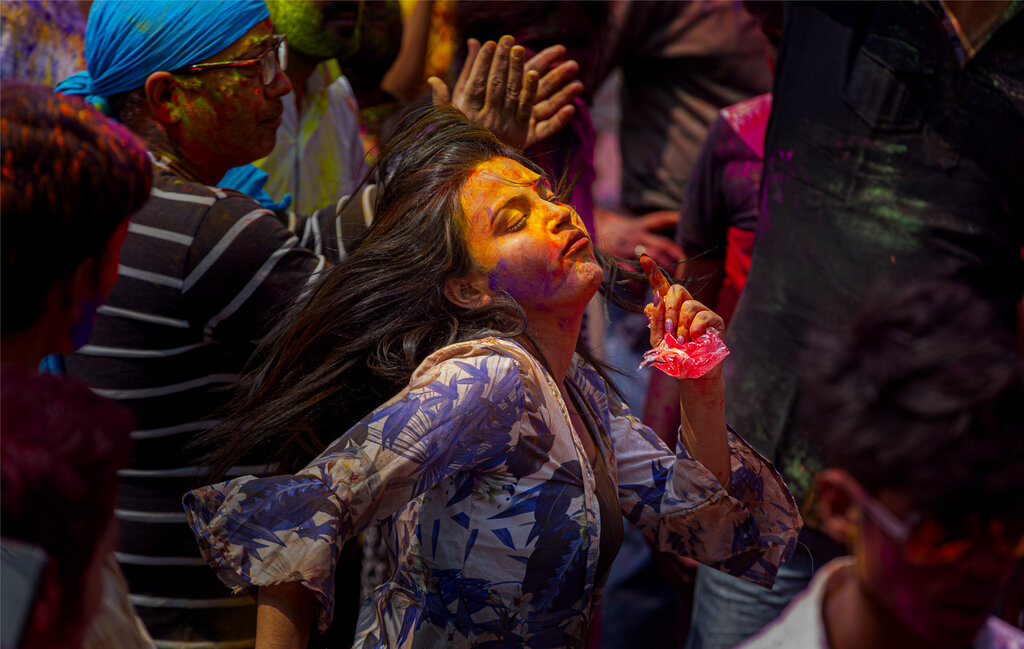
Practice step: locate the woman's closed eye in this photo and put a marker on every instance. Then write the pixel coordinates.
(512, 214)
(516, 220)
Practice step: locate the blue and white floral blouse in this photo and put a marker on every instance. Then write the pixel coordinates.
(488, 505)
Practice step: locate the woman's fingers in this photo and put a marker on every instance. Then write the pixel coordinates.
(674, 309)
(704, 320)
(657, 279)
(673, 302)
(694, 319)
(679, 311)
(687, 318)
(657, 315)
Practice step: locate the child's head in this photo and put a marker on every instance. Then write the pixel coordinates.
(70, 179)
(919, 406)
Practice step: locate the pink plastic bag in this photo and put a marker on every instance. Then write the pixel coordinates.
(687, 360)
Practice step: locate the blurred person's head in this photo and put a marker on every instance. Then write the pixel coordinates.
(374, 50)
(919, 406)
(769, 14)
(320, 30)
(200, 81)
(60, 449)
(69, 180)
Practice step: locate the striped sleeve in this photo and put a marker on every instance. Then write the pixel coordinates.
(335, 230)
(242, 271)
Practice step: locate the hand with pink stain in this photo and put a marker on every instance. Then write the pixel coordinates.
(521, 102)
(684, 333)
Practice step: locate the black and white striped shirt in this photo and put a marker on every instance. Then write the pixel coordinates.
(202, 275)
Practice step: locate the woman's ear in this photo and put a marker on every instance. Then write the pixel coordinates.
(839, 512)
(468, 292)
(162, 94)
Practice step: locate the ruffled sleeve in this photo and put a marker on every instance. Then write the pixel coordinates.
(458, 414)
(674, 499)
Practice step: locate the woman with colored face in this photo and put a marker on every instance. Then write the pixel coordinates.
(440, 374)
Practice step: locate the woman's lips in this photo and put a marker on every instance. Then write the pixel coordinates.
(575, 243)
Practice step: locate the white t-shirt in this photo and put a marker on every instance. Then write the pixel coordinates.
(802, 626)
(318, 157)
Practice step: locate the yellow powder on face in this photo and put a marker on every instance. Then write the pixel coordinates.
(480, 193)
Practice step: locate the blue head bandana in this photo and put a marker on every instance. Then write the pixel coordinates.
(128, 40)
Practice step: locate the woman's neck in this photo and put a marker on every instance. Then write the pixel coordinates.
(555, 336)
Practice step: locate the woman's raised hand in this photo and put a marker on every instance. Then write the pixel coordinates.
(674, 309)
(701, 400)
(521, 102)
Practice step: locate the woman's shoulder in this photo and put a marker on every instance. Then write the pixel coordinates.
(494, 353)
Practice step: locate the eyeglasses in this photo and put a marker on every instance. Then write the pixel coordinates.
(927, 542)
(272, 62)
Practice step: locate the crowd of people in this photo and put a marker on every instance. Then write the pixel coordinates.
(311, 341)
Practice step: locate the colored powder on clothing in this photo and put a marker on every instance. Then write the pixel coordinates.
(42, 41)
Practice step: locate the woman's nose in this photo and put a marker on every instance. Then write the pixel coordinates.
(561, 215)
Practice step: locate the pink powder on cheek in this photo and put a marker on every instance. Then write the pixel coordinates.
(528, 271)
(903, 589)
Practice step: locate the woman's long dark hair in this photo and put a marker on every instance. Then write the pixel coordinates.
(365, 325)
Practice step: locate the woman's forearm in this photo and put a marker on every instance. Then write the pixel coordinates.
(702, 424)
(284, 616)
(701, 400)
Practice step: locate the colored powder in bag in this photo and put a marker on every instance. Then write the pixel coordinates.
(687, 360)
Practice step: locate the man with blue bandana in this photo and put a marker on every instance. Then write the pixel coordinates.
(203, 271)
